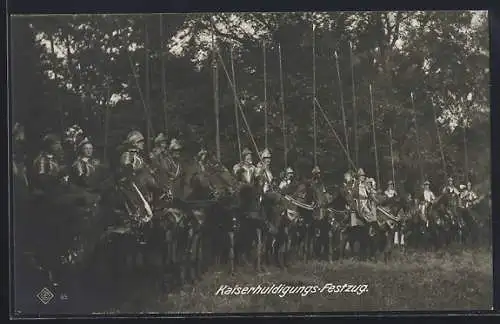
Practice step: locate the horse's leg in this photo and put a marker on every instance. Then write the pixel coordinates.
(259, 248)
(231, 252)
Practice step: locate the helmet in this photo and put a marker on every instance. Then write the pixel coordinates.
(174, 145)
(427, 182)
(50, 139)
(266, 154)
(462, 187)
(202, 151)
(361, 172)
(73, 131)
(83, 142)
(289, 170)
(161, 138)
(316, 170)
(390, 182)
(450, 179)
(347, 176)
(246, 151)
(134, 137)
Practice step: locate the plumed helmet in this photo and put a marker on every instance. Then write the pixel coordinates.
(50, 139)
(361, 172)
(134, 137)
(84, 141)
(160, 138)
(175, 145)
(266, 154)
(73, 132)
(316, 170)
(246, 151)
(289, 170)
(202, 151)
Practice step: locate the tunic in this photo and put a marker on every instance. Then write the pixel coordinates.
(83, 169)
(245, 172)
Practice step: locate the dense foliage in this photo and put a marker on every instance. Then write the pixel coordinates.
(93, 70)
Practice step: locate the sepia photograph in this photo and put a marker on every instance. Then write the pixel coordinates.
(250, 163)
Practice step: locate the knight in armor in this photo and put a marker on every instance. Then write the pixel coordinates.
(468, 196)
(319, 190)
(159, 150)
(201, 159)
(426, 200)
(19, 154)
(245, 171)
(288, 180)
(47, 171)
(390, 192)
(450, 188)
(264, 174)
(73, 136)
(132, 159)
(363, 193)
(85, 165)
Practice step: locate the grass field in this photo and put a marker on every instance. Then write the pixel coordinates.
(455, 279)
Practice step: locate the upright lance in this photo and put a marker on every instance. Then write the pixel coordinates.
(148, 87)
(216, 97)
(163, 79)
(354, 108)
(236, 115)
(265, 94)
(418, 141)
(392, 157)
(374, 135)
(438, 133)
(314, 93)
(341, 92)
(282, 101)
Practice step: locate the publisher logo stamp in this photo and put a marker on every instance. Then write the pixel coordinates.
(45, 296)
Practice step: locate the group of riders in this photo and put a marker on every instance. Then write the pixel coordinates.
(68, 167)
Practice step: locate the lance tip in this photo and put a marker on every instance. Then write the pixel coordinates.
(335, 53)
(314, 26)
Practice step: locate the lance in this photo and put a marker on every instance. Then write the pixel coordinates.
(265, 93)
(163, 77)
(106, 124)
(216, 97)
(466, 154)
(335, 134)
(314, 93)
(236, 115)
(418, 140)
(148, 86)
(438, 134)
(141, 95)
(392, 157)
(374, 136)
(341, 92)
(354, 108)
(59, 103)
(282, 101)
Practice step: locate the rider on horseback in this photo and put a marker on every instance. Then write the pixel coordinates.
(47, 171)
(85, 165)
(287, 181)
(245, 171)
(426, 201)
(450, 188)
(468, 197)
(390, 193)
(263, 172)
